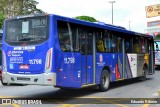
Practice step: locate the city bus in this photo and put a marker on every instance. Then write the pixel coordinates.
(48, 49)
(157, 54)
(1, 33)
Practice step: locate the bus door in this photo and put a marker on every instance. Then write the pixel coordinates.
(86, 45)
(120, 59)
(151, 57)
(130, 62)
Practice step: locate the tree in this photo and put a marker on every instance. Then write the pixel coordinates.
(12, 8)
(86, 18)
(157, 37)
(29, 7)
(1, 20)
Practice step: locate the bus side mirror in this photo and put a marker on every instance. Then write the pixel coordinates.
(157, 48)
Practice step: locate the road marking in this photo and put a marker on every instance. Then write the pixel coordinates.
(145, 105)
(14, 105)
(67, 105)
(71, 105)
(157, 94)
(7, 96)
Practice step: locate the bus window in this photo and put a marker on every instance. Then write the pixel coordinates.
(100, 42)
(27, 30)
(136, 45)
(67, 45)
(113, 43)
(128, 45)
(146, 45)
(107, 41)
(68, 36)
(143, 46)
(73, 31)
(119, 44)
(86, 41)
(82, 38)
(100, 46)
(62, 34)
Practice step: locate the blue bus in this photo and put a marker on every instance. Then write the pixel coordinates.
(47, 49)
(157, 53)
(1, 33)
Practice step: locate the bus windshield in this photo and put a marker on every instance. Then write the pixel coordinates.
(157, 43)
(26, 30)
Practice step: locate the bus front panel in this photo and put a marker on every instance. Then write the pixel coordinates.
(27, 54)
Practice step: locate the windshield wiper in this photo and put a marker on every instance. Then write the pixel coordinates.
(32, 38)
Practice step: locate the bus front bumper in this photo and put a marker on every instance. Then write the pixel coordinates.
(36, 79)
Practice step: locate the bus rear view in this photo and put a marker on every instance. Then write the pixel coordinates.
(26, 52)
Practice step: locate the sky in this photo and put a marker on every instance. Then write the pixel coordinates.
(125, 12)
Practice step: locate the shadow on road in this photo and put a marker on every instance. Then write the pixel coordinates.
(72, 96)
(72, 93)
(126, 82)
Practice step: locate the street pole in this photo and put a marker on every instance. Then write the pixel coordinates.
(112, 9)
(129, 25)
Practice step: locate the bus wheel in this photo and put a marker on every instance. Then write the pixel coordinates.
(3, 83)
(104, 81)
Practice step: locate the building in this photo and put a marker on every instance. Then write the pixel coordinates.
(153, 28)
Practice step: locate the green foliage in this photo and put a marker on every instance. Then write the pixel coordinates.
(157, 37)
(29, 7)
(12, 8)
(86, 18)
(1, 20)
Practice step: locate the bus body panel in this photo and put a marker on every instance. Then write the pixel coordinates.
(140, 64)
(86, 69)
(32, 63)
(37, 79)
(129, 68)
(136, 63)
(68, 69)
(132, 62)
(105, 60)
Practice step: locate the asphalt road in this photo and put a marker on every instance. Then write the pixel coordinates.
(125, 91)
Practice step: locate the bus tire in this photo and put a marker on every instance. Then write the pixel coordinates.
(3, 83)
(104, 81)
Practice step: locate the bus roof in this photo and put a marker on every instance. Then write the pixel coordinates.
(101, 25)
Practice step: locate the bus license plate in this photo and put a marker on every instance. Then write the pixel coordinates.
(23, 79)
(24, 66)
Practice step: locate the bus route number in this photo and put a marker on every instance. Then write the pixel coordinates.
(35, 61)
(69, 60)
